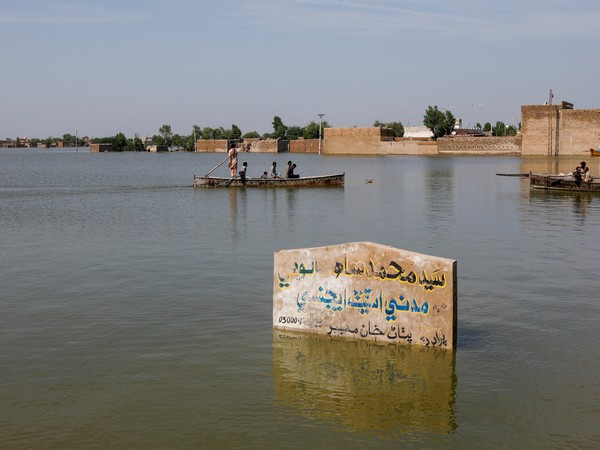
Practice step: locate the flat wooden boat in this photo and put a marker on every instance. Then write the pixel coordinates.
(562, 183)
(336, 180)
(594, 152)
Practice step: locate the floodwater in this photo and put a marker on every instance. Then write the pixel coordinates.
(136, 311)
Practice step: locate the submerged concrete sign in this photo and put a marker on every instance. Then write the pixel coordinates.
(366, 291)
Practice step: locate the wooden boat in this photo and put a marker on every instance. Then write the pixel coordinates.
(562, 183)
(594, 152)
(336, 180)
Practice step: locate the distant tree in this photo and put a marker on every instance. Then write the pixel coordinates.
(266, 135)
(440, 123)
(294, 132)
(167, 135)
(251, 134)
(236, 133)
(311, 131)
(511, 130)
(178, 140)
(68, 139)
(487, 126)
(396, 126)
(499, 129)
(138, 145)
(478, 126)
(119, 142)
(279, 129)
(207, 133)
(219, 133)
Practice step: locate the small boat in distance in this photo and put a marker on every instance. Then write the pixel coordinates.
(562, 183)
(336, 180)
(594, 152)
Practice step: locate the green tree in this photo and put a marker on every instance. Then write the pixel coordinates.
(487, 127)
(207, 133)
(311, 131)
(138, 145)
(499, 129)
(236, 133)
(478, 126)
(440, 123)
(166, 134)
(511, 130)
(294, 132)
(178, 140)
(279, 129)
(251, 134)
(396, 126)
(119, 142)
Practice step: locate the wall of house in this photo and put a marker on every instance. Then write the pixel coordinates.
(372, 141)
(492, 145)
(304, 146)
(579, 131)
(539, 128)
(211, 145)
(253, 145)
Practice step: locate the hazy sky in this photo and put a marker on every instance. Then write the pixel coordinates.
(108, 66)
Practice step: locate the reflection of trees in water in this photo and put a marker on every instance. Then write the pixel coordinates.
(364, 385)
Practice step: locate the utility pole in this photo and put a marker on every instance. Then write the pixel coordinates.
(320, 130)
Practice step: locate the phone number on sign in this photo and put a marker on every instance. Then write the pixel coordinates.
(292, 320)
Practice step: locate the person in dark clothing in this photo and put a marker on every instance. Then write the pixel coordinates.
(291, 173)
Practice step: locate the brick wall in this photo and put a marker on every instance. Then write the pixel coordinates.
(304, 146)
(211, 145)
(539, 127)
(248, 145)
(579, 131)
(489, 145)
(372, 141)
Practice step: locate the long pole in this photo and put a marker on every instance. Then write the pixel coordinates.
(320, 130)
(218, 165)
(76, 142)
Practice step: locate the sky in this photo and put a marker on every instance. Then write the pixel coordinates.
(97, 68)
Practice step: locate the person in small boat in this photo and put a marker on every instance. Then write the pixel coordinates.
(273, 171)
(287, 169)
(233, 161)
(242, 172)
(582, 172)
(264, 176)
(291, 173)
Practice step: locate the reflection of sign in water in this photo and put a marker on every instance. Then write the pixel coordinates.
(365, 385)
(368, 291)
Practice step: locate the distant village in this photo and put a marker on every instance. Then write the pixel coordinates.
(548, 129)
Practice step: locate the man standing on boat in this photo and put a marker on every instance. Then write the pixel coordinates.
(233, 161)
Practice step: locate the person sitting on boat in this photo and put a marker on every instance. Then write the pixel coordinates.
(233, 161)
(291, 173)
(264, 176)
(582, 172)
(273, 172)
(287, 169)
(243, 171)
